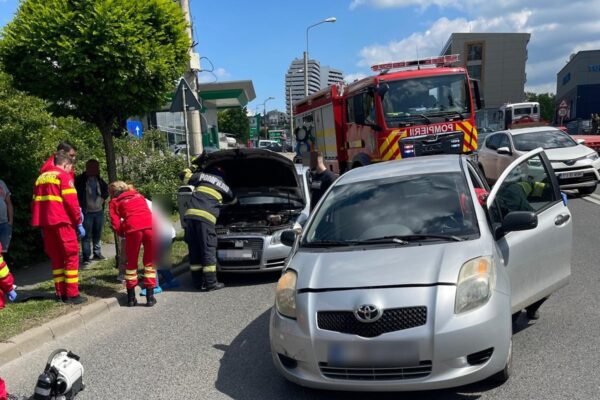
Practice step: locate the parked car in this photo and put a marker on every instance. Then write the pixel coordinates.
(576, 166)
(401, 280)
(272, 196)
(266, 143)
(582, 130)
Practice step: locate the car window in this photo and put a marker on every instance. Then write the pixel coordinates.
(503, 141)
(528, 187)
(492, 142)
(427, 204)
(551, 139)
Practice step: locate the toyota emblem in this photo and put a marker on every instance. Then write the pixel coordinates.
(368, 313)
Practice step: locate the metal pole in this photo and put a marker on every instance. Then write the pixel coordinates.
(291, 118)
(306, 71)
(185, 128)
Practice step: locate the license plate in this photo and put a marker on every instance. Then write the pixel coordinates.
(377, 354)
(235, 255)
(567, 175)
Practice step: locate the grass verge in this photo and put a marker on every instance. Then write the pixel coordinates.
(99, 280)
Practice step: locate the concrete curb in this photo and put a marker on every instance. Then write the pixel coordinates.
(31, 339)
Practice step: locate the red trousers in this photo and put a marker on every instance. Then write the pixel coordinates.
(3, 394)
(133, 242)
(60, 244)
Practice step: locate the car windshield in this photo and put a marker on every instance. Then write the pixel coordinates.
(545, 139)
(425, 96)
(423, 207)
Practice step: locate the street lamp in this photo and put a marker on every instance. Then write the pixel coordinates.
(330, 19)
(264, 104)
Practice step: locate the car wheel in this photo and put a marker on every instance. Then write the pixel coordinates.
(503, 375)
(587, 189)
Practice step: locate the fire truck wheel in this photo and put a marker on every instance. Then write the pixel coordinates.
(361, 160)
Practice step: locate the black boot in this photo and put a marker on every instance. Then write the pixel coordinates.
(131, 300)
(150, 300)
(211, 283)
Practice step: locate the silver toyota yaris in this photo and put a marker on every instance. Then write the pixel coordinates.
(407, 274)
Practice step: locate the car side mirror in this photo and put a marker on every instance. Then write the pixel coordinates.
(580, 141)
(518, 221)
(504, 151)
(288, 238)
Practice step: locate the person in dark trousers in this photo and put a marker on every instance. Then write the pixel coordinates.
(92, 192)
(322, 178)
(210, 193)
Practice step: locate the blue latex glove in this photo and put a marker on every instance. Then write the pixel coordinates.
(564, 198)
(12, 295)
(81, 230)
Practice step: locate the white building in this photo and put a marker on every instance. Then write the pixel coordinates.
(319, 77)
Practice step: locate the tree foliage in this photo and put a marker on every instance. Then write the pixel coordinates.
(28, 136)
(547, 104)
(235, 121)
(98, 60)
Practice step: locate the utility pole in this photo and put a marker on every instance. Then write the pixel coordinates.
(194, 128)
(291, 118)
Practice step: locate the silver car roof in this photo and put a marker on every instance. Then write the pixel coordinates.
(521, 131)
(409, 166)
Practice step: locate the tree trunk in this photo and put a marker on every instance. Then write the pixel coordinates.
(109, 149)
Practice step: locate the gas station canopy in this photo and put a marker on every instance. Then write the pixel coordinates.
(230, 94)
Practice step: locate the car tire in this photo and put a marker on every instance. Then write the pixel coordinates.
(504, 375)
(587, 189)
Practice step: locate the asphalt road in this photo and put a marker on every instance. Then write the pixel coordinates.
(215, 346)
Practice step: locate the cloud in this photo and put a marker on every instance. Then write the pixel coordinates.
(349, 78)
(557, 30)
(214, 76)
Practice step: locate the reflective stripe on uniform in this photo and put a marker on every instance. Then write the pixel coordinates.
(59, 279)
(131, 274)
(58, 271)
(68, 191)
(210, 191)
(48, 198)
(72, 280)
(209, 268)
(71, 272)
(47, 177)
(195, 268)
(149, 272)
(187, 175)
(4, 272)
(202, 214)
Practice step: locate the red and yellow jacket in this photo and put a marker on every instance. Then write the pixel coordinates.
(129, 212)
(6, 278)
(55, 198)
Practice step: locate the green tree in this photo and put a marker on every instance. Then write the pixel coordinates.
(547, 104)
(98, 60)
(235, 121)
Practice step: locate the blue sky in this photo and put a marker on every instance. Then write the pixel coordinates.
(258, 39)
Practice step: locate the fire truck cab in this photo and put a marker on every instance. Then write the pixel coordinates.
(427, 110)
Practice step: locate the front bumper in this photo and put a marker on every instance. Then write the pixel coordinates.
(577, 175)
(265, 255)
(441, 345)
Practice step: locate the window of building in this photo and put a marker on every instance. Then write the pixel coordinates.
(474, 71)
(566, 78)
(475, 52)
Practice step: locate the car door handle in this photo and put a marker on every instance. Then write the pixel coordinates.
(561, 219)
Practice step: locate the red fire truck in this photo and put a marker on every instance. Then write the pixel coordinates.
(429, 109)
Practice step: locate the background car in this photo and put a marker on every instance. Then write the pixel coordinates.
(272, 196)
(401, 280)
(576, 165)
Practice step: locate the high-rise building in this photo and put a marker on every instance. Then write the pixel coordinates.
(319, 77)
(578, 84)
(330, 76)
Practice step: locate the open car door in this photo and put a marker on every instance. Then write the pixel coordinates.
(538, 260)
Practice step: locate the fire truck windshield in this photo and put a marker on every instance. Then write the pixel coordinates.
(421, 98)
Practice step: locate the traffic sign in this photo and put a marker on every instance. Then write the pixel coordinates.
(191, 101)
(562, 112)
(135, 128)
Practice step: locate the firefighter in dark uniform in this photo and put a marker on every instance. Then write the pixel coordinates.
(210, 194)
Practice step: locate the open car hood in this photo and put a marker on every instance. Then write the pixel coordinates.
(255, 170)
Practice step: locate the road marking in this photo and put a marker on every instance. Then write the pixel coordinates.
(595, 196)
(595, 199)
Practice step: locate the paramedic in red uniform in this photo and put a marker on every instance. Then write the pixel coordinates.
(55, 209)
(131, 218)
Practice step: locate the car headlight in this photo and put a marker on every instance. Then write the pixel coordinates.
(592, 157)
(276, 238)
(285, 298)
(476, 282)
